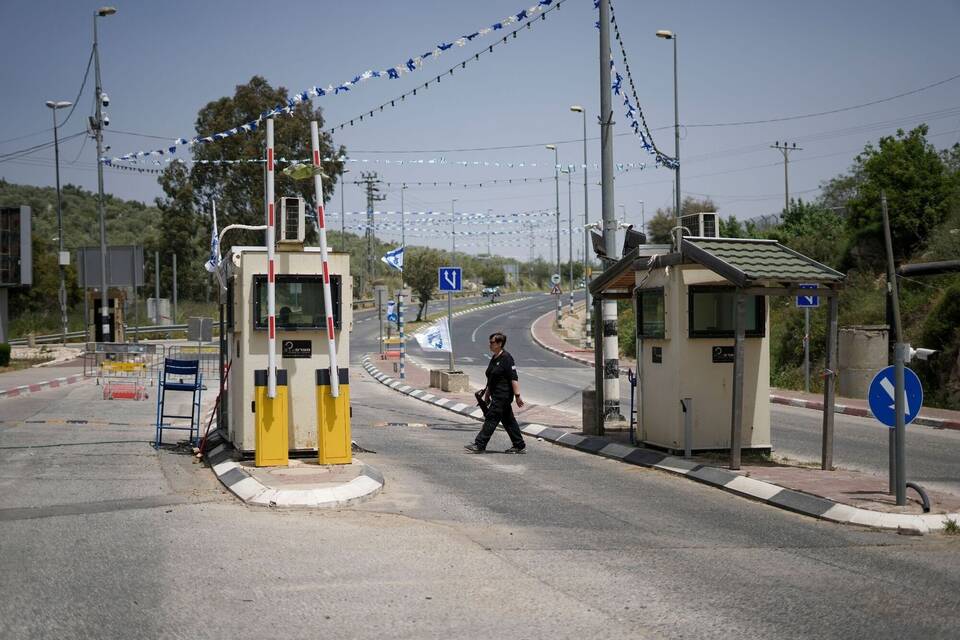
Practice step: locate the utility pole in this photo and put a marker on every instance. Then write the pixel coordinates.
(785, 149)
(611, 346)
(97, 122)
(372, 186)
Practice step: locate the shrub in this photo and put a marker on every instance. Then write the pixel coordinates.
(4, 354)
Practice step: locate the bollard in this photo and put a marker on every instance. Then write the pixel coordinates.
(687, 404)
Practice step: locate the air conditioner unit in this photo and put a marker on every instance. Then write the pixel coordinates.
(701, 225)
(292, 225)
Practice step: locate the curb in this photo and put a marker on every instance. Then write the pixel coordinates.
(845, 409)
(251, 491)
(40, 386)
(768, 493)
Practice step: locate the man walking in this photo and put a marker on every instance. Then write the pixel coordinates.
(502, 388)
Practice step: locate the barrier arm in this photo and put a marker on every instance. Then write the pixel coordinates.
(327, 297)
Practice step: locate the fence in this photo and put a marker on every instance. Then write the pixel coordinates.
(125, 370)
(208, 357)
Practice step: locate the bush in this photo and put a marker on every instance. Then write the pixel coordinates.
(4, 354)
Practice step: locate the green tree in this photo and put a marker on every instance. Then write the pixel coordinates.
(493, 276)
(659, 226)
(731, 228)
(919, 189)
(813, 230)
(238, 189)
(184, 233)
(420, 271)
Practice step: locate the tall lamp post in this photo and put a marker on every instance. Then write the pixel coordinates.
(556, 184)
(569, 171)
(586, 239)
(54, 105)
(343, 214)
(98, 123)
(670, 35)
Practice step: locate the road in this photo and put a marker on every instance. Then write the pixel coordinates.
(933, 457)
(101, 536)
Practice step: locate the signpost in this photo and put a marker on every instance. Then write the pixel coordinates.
(806, 303)
(450, 280)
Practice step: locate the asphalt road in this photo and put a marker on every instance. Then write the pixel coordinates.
(101, 536)
(933, 455)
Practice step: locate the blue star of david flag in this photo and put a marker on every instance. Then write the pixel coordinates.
(394, 258)
(214, 261)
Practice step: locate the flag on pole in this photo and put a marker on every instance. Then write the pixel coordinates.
(436, 337)
(214, 261)
(394, 258)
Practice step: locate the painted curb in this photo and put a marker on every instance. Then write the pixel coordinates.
(40, 386)
(251, 491)
(768, 493)
(844, 409)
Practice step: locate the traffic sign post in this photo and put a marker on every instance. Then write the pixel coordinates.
(896, 411)
(807, 303)
(555, 280)
(450, 279)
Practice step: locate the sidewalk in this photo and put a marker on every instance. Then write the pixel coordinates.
(33, 379)
(839, 496)
(543, 334)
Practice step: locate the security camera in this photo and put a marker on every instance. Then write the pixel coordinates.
(104, 100)
(921, 353)
(106, 120)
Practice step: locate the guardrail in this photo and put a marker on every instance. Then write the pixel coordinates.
(73, 336)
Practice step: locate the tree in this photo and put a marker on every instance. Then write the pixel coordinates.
(813, 230)
(731, 228)
(420, 272)
(919, 189)
(493, 276)
(183, 234)
(238, 189)
(660, 226)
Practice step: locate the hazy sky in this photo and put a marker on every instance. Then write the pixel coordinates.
(738, 61)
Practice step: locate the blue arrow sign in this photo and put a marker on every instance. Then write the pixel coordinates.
(450, 278)
(881, 396)
(808, 301)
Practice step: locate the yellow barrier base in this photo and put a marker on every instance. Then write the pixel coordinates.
(271, 448)
(333, 420)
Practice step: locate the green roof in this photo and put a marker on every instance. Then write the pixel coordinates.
(745, 262)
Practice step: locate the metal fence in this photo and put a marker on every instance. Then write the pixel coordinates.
(208, 356)
(138, 364)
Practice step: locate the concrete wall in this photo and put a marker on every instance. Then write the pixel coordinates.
(688, 370)
(248, 347)
(861, 354)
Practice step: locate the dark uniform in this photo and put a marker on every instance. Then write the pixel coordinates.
(501, 372)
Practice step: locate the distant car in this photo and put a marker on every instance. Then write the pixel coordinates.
(493, 292)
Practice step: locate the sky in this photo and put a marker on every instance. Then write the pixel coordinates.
(738, 61)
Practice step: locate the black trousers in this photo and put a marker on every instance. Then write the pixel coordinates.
(500, 411)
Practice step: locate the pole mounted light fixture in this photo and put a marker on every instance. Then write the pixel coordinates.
(666, 34)
(106, 11)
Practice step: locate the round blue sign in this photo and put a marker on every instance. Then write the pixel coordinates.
(881, 396)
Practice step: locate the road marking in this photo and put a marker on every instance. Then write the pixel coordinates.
(473, 336)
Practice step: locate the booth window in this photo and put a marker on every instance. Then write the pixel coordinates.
(299, 302)
(650, 313)
(711, 313)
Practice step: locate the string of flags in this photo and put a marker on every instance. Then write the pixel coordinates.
(633, 109)
(524, 17)
(461, 217)
(428, 233)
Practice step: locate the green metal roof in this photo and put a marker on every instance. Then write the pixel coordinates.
(745, 262)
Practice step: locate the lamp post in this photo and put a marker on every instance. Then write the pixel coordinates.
(343, 214)
(453, 229)
(569, 172)
(643, 217)
(556, 184)
(588, 325)
(670, 35)
(97, 124)
(489, 216)
(54, 105)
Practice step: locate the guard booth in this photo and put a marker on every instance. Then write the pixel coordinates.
(703, 332)
(302, 351)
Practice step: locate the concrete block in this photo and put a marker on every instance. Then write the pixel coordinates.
(454, 381)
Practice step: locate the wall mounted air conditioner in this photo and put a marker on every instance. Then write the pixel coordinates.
(701, 225)
(292, 226)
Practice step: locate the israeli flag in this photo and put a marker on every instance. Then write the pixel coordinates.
(436, 337)
(394, 258)
(214, 261)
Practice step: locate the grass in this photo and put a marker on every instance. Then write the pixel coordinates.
(17, 365)
(951, 527)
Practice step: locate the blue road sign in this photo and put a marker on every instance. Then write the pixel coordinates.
(808, 301)
(881, 396)
(450, 278)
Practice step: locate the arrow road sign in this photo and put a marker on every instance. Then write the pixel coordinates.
(450, 278)
(881, 396)
(808, 301)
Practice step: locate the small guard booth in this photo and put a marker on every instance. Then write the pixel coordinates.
(303, 359)
(703, 332)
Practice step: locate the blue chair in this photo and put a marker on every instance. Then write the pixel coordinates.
(185, 376)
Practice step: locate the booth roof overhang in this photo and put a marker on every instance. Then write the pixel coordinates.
(745, 263)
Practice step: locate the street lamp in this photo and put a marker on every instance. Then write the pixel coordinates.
(54, 105)
(569, 171)
(343, 214)
(556, 184)
(643, 217)
(670, 35)
(586, 246)
(97, 124)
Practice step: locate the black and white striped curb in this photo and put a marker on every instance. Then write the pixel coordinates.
(774, 495)
(775, 398)
(251, 491)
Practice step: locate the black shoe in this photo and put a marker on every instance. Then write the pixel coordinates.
(516, 450)
(473, 448)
